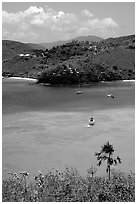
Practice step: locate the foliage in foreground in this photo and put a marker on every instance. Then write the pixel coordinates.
(56, 186)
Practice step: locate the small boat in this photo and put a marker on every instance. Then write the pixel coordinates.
(90, 123)
(79, 92)
(110, 95)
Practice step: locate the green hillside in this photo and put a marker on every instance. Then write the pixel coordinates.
(12, 48)
(73, 62)
(117, 56)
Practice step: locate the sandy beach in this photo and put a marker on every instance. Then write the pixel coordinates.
(132, 80)
(23, 78)
(36, 141)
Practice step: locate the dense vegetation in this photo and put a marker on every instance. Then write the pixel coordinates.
(69, 185)
(76, 62)
(56, 186)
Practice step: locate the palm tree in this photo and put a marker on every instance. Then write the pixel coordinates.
(106, 154)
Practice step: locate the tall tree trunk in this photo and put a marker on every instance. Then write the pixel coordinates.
(109, 168)
(109, 172)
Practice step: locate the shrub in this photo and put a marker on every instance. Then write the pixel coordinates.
(69, 185)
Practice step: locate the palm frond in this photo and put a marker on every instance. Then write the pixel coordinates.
(104, 157)
(108, 148)
(97, 153)
(100, 162)
(115, 162)
(119, 159)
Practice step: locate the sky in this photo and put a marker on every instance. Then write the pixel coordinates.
(42, 22)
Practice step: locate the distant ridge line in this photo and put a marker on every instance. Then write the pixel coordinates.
(79, 38)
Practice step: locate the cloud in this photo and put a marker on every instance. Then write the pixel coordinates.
(33, 10)
(109, 22)
(8, 18)
(87, 13)
(35, 22)
(60, 13)
(105, 23)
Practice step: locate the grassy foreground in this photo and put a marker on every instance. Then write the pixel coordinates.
(69, 186)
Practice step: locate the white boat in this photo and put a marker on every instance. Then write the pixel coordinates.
(91, 122)
(79, 92)
(110, 95)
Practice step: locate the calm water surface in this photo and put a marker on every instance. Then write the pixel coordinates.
(45, 127)
(19, 96)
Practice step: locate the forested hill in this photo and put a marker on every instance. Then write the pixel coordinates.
(13, 48)
(90, 38)
(73, 62)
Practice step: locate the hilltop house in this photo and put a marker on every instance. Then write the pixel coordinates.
(25, 55)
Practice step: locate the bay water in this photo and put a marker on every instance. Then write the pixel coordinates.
(45, 127)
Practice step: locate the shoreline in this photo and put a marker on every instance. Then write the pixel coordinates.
(129, 80)
(21, 78)
(32, 79)
(124, 80)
